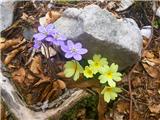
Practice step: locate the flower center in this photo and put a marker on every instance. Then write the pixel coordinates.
(108, 89)
(89, 72)
(96, 64)
(73, 50)
(109, 74)
(57, 36)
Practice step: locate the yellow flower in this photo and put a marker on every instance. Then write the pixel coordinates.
(110, 93)
(110, 75)
(73, 69)
(97, 63)
(88, 72)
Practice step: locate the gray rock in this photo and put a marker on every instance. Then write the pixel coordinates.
(6, 16)
(101, 33)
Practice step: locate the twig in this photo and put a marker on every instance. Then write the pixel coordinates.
(130, 90)
(31, 57)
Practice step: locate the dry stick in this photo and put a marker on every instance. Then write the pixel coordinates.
(130, 90)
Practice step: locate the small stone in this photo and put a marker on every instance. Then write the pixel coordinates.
(119, 40)
(146, 31)
(158, 12)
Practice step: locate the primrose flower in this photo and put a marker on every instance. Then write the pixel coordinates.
(44, 31)
(73, 69)
(56, 38)
(110, 93)
(110, 74)
(88, 72)
(97, 63)
(73, 50)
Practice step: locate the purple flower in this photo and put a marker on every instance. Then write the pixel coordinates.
(56, 38)
(73, 50)
(44, 31)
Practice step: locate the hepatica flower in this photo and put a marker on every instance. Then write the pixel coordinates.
(56, 38)
(73, 50)
(73, 69)
(97, 63)
(110, 93)
(110, 75)
(44, 31)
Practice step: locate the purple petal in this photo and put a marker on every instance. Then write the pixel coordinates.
(70, 44)
(56, 42)
(78, 45)
(64, 48)
(49, 28)
(69, 55)
(42, 29)
(82, 51)
(77, 57)
(49, 39)
(62, 37)
(37, 44)
(39, 36)
(61, 43)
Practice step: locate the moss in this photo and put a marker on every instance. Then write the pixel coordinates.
(88, 103)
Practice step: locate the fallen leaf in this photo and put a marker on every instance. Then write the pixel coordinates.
(12, 54)
(45, 92)
(36, 65)
(9, 43)
(45, 79)
(52, 16)
(2, 40)
(156, 61)
(61, 84)
(145, 60)
(155, 108)
(122, 106)
(152, 71)
(148, 54)
(19, 75)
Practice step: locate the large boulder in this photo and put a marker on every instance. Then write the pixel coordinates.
(6, 17)
(102, 33)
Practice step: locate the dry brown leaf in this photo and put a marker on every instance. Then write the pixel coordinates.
(122, 106)
(101, 107)
(156, 61)
(19, 75)
(52, 16)
(155, 108)
(12, 54)
(61, 84)
(42, 81)
(61, 75)
(2, 40)
(148, 54)
(152, 71)
(45, 92)
(36, 65)
(6, 44)
(83, 84)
